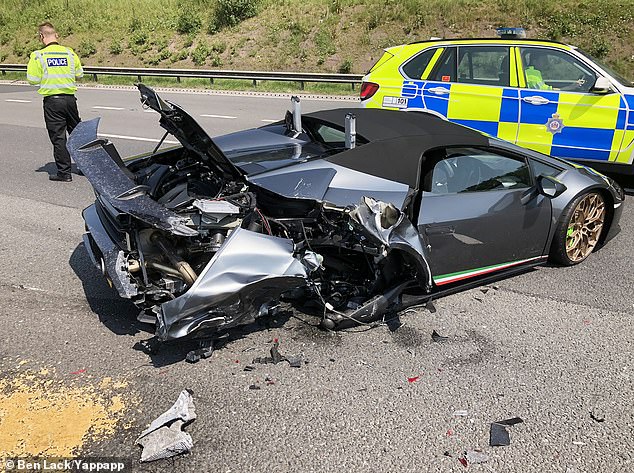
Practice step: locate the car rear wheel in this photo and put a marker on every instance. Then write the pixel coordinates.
(579, 229)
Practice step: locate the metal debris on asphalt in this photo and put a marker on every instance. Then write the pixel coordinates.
(499, 436)
(436, 337)
(164, 438)
(295, 361)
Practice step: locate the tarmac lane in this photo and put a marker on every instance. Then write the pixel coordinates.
(551, 346)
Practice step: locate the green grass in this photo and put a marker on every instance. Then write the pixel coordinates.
(301, 35)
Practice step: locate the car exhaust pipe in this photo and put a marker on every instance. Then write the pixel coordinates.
(182, 266)
(351, 130)
(297, 114)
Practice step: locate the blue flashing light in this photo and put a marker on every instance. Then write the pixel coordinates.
(511, 33)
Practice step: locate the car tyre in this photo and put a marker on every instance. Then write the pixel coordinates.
(579, 229)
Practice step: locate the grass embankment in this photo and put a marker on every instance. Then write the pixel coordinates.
(300, 35)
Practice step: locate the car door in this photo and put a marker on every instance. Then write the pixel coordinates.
(480, 213)
(561, 116)
(473, 85)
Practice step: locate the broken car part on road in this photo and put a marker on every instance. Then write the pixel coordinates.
(216, 233)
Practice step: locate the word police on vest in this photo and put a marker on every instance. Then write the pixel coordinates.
(56, 61)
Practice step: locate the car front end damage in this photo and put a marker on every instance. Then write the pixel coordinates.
(200, 248)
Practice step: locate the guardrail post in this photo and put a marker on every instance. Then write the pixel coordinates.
(211, 79)
(94, 76)
(352, 84)
(178, 79)
(140, 79)
(255, 83)
(301, 85)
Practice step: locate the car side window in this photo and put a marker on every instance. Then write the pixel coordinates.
(445, 70)
(551, 69)
(484, 65)
(415, 67)
(543, 169)
(458, 170)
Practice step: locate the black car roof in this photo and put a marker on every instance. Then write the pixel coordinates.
(396, 141)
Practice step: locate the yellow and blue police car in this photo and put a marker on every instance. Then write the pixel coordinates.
(543, 95)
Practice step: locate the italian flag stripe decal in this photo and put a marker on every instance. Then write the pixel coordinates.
(453, 277)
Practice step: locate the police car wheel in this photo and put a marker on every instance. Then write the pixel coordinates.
(579, 229)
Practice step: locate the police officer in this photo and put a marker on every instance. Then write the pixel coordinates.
(55, 68)
(534, 79)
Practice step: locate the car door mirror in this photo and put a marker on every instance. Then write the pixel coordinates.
(549, 186)
(601, 86)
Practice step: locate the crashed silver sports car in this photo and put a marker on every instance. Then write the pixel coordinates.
(358, 212)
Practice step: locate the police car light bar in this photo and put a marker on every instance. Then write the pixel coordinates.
(511, 33)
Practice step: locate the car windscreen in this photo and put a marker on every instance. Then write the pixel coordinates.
(615, 75)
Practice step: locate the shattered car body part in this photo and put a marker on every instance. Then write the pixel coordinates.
(436, 337)
(498, 435)
(164, 438)
(216, 233)
(473, 457)
(294, 361)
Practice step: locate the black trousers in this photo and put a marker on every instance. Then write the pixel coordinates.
(61, 116)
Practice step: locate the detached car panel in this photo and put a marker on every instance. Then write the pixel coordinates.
(216, 233)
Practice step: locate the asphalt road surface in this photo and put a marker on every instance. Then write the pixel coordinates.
(550, 346)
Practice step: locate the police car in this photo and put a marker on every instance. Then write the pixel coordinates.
(543, 95)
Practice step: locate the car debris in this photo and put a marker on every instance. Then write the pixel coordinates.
(294, 361)
(164, 438)
(499, 436)
(436, 337)
(475, 456)
(461, 413)
(205, 351)
(595, 416)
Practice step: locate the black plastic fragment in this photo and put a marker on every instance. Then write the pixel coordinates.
(436, 337)
(596, 418)
(511, 421)
(205, 351)
(254, 387)
(430, 307)
(276, 357)
(150, 346)
(393, 323)
(499, 436)
(249, 368)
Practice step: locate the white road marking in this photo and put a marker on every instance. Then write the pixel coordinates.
(228, 117)
(17, 101)
(266, 120)
(108, 108)
(138, 138)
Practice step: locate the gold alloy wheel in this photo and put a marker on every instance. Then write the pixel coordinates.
(585, 227)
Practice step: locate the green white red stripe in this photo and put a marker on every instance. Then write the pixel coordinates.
(471, 273)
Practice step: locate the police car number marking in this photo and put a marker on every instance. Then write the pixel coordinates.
(395, 102)
(56, 61)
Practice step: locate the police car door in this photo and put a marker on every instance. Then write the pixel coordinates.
(479, 213)
(471, 85)
(561, 116)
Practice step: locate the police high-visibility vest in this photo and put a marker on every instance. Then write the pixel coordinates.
(534, 79)
(55, 69)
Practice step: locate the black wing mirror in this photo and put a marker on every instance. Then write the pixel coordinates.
(549, 186)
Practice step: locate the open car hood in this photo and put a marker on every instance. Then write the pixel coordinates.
(185, 129)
